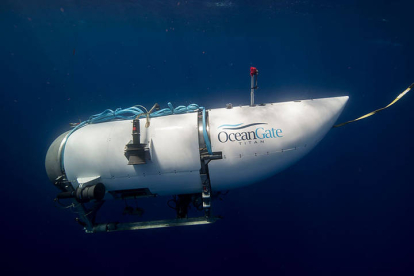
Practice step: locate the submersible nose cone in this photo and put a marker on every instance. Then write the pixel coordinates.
(53, 156)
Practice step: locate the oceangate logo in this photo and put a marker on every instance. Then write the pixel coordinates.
(260, 133)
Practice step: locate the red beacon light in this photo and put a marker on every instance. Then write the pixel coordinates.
(253, 71)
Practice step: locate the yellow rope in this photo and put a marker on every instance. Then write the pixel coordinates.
(378, 110)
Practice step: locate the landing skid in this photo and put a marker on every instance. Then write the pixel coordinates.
(112, 227)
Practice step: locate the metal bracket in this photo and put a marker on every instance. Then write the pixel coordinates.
(134, 150)
(88, 181)
(205, 158)
(136, 153)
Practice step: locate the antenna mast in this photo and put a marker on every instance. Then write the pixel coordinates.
(253, 83)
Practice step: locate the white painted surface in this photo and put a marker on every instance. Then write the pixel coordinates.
(292, 129)
(300, 125)
(174, 158)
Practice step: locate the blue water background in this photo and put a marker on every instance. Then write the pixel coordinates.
(344, 209)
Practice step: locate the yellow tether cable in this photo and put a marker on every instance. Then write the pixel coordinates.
(378, 110)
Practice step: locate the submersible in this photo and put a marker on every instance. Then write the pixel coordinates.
(189, 152)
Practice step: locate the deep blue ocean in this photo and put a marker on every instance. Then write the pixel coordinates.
(346, 208)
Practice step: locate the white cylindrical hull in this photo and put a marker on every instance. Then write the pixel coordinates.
(255, 142)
